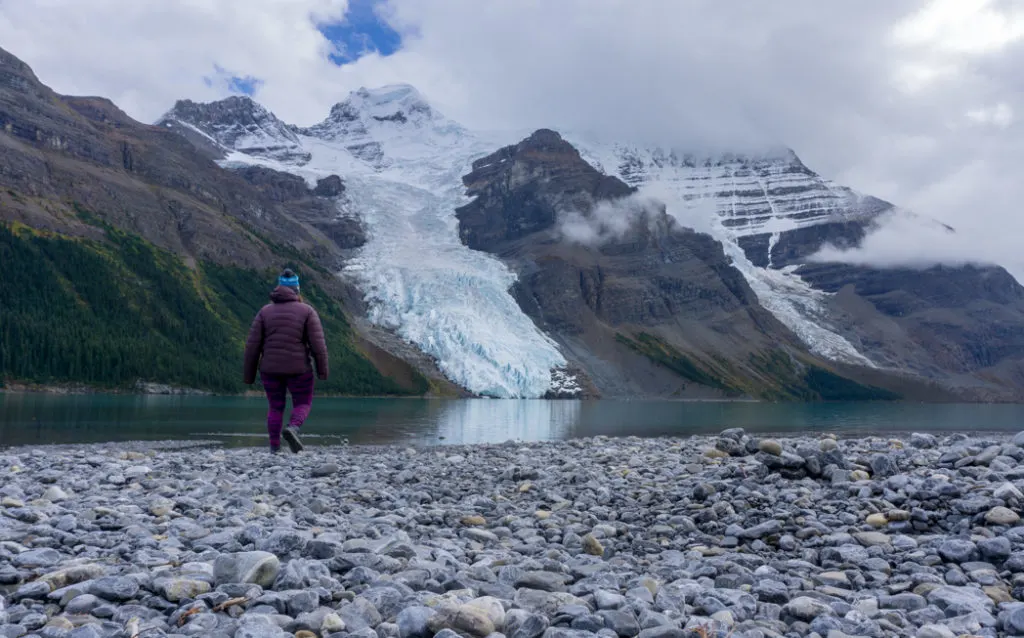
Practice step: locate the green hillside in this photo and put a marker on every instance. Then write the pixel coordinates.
(112, 313)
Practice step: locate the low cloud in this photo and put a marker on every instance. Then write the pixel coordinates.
(903, 240)
(612, 220)
(654, 207)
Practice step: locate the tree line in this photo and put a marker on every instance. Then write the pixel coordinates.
(111, 314)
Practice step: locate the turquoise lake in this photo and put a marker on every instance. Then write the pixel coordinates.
(45, 418)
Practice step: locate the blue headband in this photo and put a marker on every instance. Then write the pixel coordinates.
(292, 282)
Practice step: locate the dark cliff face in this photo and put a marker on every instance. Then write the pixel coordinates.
(522, 189)
(64, 154)
(330, 186)
(795, 246)
(941, 322)
(315, 206)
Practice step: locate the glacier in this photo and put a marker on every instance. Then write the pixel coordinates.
(402, 163)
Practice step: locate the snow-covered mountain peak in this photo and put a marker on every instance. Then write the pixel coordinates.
(394, 107)
(238, 123)
(391, 124)
(750, 193)
(386, 100)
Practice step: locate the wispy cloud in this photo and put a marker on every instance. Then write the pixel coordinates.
(611, 220)
(903, 240)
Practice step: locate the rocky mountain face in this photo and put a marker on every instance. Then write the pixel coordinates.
(959, 328)
(963, 326)
(653, 309)
(506, 204)
(238, 123)
(315, 206)
(61, 154)
(81, 183)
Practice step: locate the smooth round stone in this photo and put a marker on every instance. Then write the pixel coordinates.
(592, 546)
(161, 507)
(55, 494)
(1013, 620)
(998, 548)
(82, 604)
(325, 470)
(473, 520)
(877, 520)
(806, 609)
(770, 446)
(35, 558)
(332, 623)
(115, 588)
(177, 589)
(256, 567)
(872, 539)
(957, 550)
(1002, 516)
(464, 619)
(413, 622)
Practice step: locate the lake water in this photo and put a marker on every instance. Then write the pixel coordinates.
(43, 418)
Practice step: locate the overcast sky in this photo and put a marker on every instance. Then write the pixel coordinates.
(915, 101)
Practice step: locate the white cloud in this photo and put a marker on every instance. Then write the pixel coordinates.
(962, 26)
(904, 241)
(913, 101)
(999, 115)
(611, 220)
(144, 55)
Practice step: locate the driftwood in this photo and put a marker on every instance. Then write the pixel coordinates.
(184, 617)
(231, 603)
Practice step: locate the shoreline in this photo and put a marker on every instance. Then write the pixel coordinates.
(84, 390)
(249, 394)
(88, 390)
(669, 537)
(159, 389)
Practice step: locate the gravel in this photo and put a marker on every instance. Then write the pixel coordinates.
(603, 537)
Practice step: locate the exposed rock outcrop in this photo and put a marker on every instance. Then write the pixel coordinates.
(521, 189)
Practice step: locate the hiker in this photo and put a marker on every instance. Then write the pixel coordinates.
(285, 339)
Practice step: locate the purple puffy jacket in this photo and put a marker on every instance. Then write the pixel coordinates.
(286, 334)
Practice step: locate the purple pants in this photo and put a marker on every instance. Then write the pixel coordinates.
(277, 387)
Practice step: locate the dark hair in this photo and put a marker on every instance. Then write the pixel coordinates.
(288, 272)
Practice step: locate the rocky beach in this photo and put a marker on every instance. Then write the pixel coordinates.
(729, 535)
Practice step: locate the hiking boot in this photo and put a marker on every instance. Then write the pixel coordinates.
(275, 449)
(291, 437)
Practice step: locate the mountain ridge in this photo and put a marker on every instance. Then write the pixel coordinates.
(464, 266)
